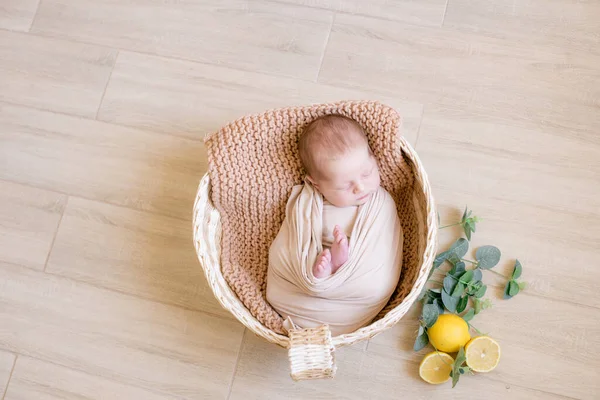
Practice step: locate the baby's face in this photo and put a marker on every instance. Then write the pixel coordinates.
(349, 180)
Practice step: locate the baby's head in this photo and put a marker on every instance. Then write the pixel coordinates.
(339, 163)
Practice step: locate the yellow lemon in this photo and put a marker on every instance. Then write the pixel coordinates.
(435, 367)
(449, 333)
(483, 354)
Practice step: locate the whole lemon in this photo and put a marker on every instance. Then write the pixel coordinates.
(449, 333)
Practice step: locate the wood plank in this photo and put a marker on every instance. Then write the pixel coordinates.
(115, 336)
(425, 12)
(509, 79)
(534, 189)
(35, 379)
(572, 24)
(190, 99)
(263, 372)
(17, 15)
(553, 336)
(134, 252)
(53, 74)
(7, 361)
(251, 35)
(29, 219)
(128, 167)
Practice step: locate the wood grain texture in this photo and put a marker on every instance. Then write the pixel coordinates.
(29, 218)
(53, 74)
(534, 84)
(252, 35)
(132, 252)
(263, 369)
(539, 186)
(190, 99)
(425, 12)
(35, 379)
(570, 24)
(118, 337)
(128, 167)
(17, 15)
(7, 362)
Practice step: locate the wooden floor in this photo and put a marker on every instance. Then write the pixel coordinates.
(103, 107)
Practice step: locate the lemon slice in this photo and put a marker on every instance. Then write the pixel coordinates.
(436, 367)
(483, 354)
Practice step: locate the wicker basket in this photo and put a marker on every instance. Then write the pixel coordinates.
(311, 351)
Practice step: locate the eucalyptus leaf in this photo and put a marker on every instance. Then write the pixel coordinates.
(421, 330)
(467, 277)
(440, 258)
(462, 304)
(437, 292)
(477, 306)
(458, 269)
(481, 292)
(458, 363)
(460, 247)
(453, 259)
(421, 341)
(467, 230)
(449, 284)
(518, 270)
(477, 274)
(440, 305)
(513, 288)
(449, 302)
(507, 291)
(459, 290)
(471, 224)
(487, 256)
(464, 217)
(469, 315)
(430, 314)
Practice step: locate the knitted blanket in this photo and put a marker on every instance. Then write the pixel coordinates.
(253, 165)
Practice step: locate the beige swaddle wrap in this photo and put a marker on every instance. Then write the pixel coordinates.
(354, 295)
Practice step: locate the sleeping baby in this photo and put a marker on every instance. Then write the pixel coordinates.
(338, 255)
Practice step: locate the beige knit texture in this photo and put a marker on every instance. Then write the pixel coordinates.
(253, 165)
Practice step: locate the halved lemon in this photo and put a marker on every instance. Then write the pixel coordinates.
(483, 354)
(436, 367)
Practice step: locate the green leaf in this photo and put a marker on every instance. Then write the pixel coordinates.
(421, 341)
(517, 271)
(460, 247)
(487, 256)
(513, 288)
(523, 285)
(453, 259)
(458, 269)
(477, 306)
(440, 258)
(467, 230)
(471, 222)
(464, 217)
(436, 292)
(481, 292)
(458, 363)
(507, 291)
(477, 274)
(440, 305)
(449, 283)
(469, 315)
(487, 303)
(462, 304)
(467, 277)
(449, 302)
(459, 290)
(430, 314)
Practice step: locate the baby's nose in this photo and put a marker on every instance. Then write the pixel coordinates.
(358, 188)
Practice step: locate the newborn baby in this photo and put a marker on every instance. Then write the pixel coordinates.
(338, 255)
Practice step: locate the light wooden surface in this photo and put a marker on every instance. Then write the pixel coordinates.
(103, 107)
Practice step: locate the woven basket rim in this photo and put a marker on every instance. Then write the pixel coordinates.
(208, 252)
